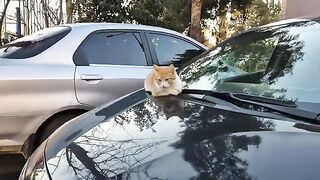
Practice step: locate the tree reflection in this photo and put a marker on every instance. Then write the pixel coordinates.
(216, 158)
(145, 115)
(183, 58)
(257, 57)
(81, 154)
(210, 149)
(112, 150)
(95, 157)
(101, 154)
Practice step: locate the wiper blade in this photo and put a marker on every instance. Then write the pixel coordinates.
(293, 112)
(252, 98)
(17, 44)
(266, 100)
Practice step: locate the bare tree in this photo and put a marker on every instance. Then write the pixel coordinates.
(61, 12)
(69, 8)
(52, 15)
(45, 12)
(2, 18)
(195, 28)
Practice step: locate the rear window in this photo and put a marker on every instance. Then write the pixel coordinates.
(43, 40)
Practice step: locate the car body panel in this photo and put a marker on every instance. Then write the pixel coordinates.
(140, 136)
(27, 98)
(114, 83)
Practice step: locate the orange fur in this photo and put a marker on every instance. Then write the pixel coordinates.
(163, 81)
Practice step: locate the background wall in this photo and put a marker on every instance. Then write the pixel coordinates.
(301, 8)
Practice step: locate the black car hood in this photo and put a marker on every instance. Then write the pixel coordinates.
(174, 138)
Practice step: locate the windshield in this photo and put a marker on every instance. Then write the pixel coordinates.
(280, 62)
(41, 41)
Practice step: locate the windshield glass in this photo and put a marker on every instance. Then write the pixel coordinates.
(280, 62)
(41, 41)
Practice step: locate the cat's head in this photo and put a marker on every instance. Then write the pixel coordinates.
(165, 76)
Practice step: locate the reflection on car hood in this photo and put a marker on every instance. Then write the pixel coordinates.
(172, 138)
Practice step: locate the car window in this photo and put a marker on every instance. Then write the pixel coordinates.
(276, 62)
(173, 50)
(42, 40)
(115, 48)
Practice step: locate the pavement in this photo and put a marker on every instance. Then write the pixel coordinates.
(10, 166)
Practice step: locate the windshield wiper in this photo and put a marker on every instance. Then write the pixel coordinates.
(266, 100)
(288, 110)
(17, 44)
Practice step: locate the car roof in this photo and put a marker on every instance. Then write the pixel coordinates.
(274, 24)
(102, 25)
(286, 21)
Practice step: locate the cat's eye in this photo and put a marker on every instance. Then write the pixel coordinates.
(159, 80)
(167, 79)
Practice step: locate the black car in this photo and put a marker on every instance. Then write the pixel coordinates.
(249, 110)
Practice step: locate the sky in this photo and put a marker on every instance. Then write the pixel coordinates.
(11, 11)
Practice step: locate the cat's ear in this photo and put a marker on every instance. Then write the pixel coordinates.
(155, 67)
(171, 67)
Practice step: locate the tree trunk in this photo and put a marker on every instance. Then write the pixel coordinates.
(195, 28)
(2, 18)
(69, 9)
(78, 10)
(61, 13)
(45, 13)
(222, 34)
(82, 156)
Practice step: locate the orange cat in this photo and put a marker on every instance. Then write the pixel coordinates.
(163, 81)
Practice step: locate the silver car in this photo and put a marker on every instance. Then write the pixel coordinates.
(61, 72)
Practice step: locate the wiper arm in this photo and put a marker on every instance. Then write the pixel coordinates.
(17, 44)
(290, 111)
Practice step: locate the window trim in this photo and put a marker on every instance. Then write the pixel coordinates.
(153, 50)
(78, 54)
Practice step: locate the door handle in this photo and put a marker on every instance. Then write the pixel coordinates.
(91, 77)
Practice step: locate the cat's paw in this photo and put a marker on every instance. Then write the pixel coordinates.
(155, 94)
(174, 92)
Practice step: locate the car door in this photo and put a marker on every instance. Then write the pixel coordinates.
(172, 49)
(110, 64)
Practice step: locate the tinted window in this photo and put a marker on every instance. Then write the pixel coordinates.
(42, 40)
(119, 48)
(278, 62)
(173, 50)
